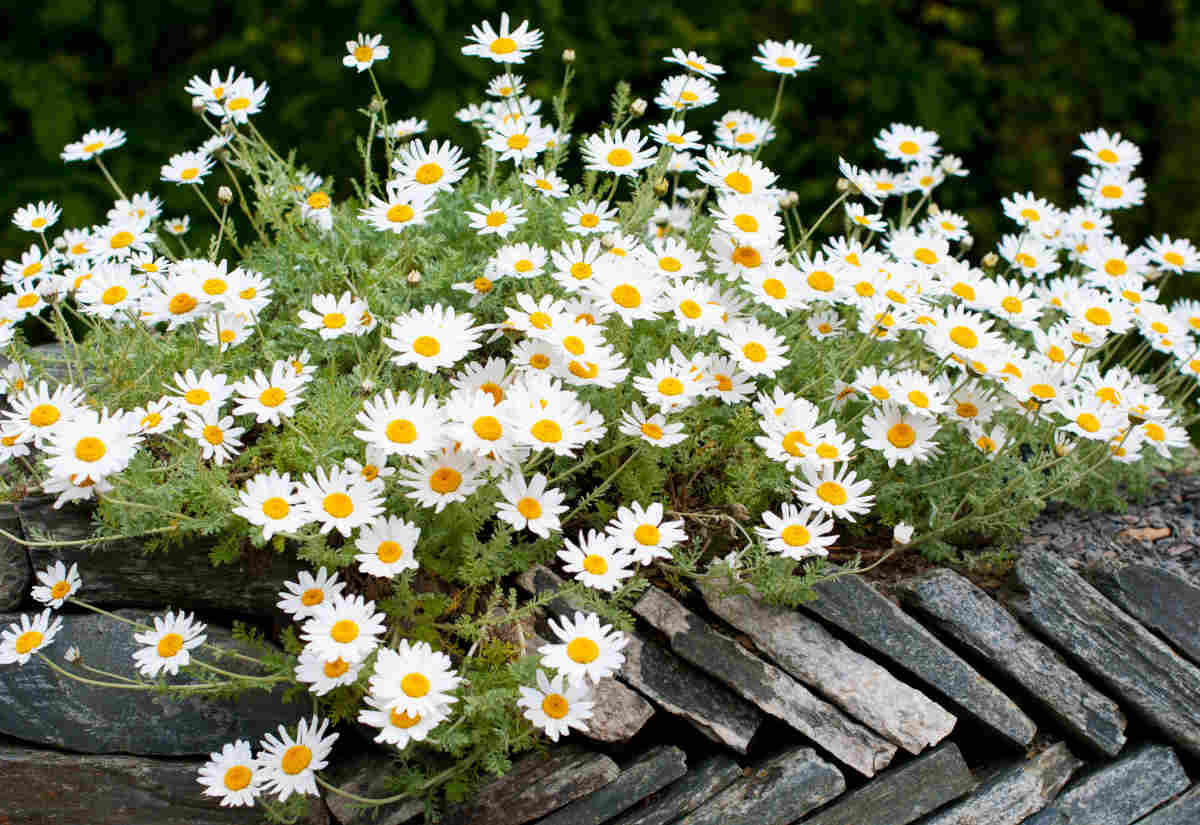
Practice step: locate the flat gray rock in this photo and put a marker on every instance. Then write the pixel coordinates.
(900, 795)
(366, 775)
(1118, 793)
(45, 786)
(40, 706)
(1166, 603)
(707, 779)
(775, 792)
(765, 685)
(978, 622)
(16, 576)
(1012, 794)
(1183, 811)
(856, 608)
(1130, 661)
(122, 574)
(537, 785)
(654, 770)
(806, 650)
(668, 681)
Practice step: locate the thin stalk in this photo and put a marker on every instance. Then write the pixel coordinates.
(111, 182)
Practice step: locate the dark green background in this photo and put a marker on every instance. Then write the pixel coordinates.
(1008, 85)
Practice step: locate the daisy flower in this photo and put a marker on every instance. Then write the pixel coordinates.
(1173, 255)
(404, 207)
(242, 99)
(597, 561)
(506, 85)
(442, 478)
(644, 532)
(837, 493)
(37, 217)
(544, 416)
(32, 264)
(529, 505)
(217, 437)
(197, 394)
(433, 337)
(857, 215)
(186, 167)
(554, 708)
(269, 399)
(1112, 189)
(433, 169)
(747, 134)
(414, 679)
(756, 348)
(288, 765)
(586, 648)
(505, 45)
(40, 411)
(364, 51)
(590, 218)
(269, 500)
(675, 134)
(682, 92)
(574, 264)
(231, 774)
(57, 584)
(405, 128)
(19, 641)
(397, 727)
(386, 547)
(698, 63)
(501, 218)
(653, 429)
(226, 329)
(668, 385)
(627, 290)
(93, 143)
(346, 627)
(797, 533)
(213, 90)
(522, 260)
(91, 445)
(785, 58)
(988, 443)
(735, 174)
(900, 435)
(400, 425)
(301, 598)
(177, 226)
(1109, 151)
(340, 499)
(119, 239)
(519, 139)
(546, 182)
(728, 383)
(168, 645)
(333, 317)
(908, 144)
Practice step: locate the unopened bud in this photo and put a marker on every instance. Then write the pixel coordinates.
(638, 107)
(225, 195)
(60, 242)
(966, 243)
(376, 104)
(198, 105)
(72, 654)
(990, 260)
(368, 385)
(608, 241)
(661, 186)
(842, 184)
(414, 277)
(934, 209)
(788, 199)
(568, 55)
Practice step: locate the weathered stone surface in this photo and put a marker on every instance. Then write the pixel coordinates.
(1183, 811)
(977, 621)
(668, 681)
(777, 791)
(654, 770)
(1118, 793)
(366, 775)
(1129, 660)
(51, 788)
(537, 785)
(121, 574)
(857, 685)
(620, 711)
(1164, 602)
(902, 794)
(16, 576)
(1010, 795)
(855, 607)
(39, 705)
(765, 685)
(686, 794)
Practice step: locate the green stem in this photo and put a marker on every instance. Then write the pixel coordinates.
(774, 114)
(111, 182)
(824, 215)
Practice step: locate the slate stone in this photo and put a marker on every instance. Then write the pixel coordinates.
(654, 770)
(685, 795)
(900, 795)
(537, 785)
(366, 775)
(1164, 602)
(1118, 793)
(853, 682)
(974, 619)
(121, 574)
(765, 685)
(16, 575)
(52, 788)
(38, 705)
(1183, 811)
(665, 679)
(856, 608)
(775, 792)
(1130, 661)
(619, 712)
(1010, 795)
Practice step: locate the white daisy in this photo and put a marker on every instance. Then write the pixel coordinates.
(529, 505)
(231, 774)
(556, 708)
(346, 627)
(340, 499)
(168, 645)
(288, 765)
(386, 547)
(586, 648)
(645, 532)
(301, 598)
(270, 501)
(57, 584)
(597, 561)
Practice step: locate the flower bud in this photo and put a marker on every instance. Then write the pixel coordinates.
(198, 105)
(661, 186)
(902, 533)
(966, 243)
(376, 104)
(225, 195)
(843, 184)
(609, 240)
(638, 107)
(934, 209)
(568, 56)
(414, 277)
(990, 260)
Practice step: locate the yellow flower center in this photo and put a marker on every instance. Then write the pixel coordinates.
(402, 720)
(530, 508)
(295, 759)
(964, 337)
(746, 256)
(60, 590)
(318, 200)
(238, 103)
(414, 685)
(1111, 191)
(554, 706)
(755, 351)
(181, 304)
(652, 430)
(33, 269)
(429, 173)
(821, 281)
(620, 157)
(670, 386)
(237, 777)
(27, 300)
(539, 361)
(1042, 391)
(627, 296)
(724, 382)
(785, 62)
(189, 174)
(908, 147)
(1173, 258)
(964, 291)
(427, 346)
(546, 431)
(1154, 431)
(985, 444)
(1098, 316)
(445, 480)
(1107, 155)
(689, 308)
(120, 240)
(966, 410)
(364, 54)
(343, 631)
(832, 493)
(647, 535)
(827, 451)
(793, 441)
(169, 645)
(1012, 304)
(338, 505)
(901, 435)
(312, 596)
(213, 434)
(28, 640)
(926, 256)
(495, 219)
(918, 399)
(775, 288)
(401, 431)
(1115, 267)
(43, 415)
(400, 213)
(1088, 422)
(582, 650)
(744, 137)
(272, 397)
(335, 668)
(90, 449)
(113, 295)
(503, 45)
(276, 508)
(795, 535)
(517, 142)
(739, 182)
(487, 427)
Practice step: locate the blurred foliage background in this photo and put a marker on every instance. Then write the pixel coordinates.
(1008, 84)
